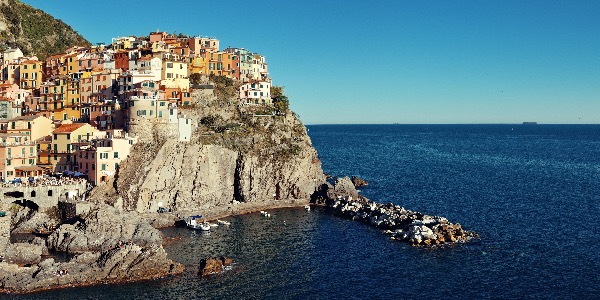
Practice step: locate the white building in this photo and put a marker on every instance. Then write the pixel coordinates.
(256, 92)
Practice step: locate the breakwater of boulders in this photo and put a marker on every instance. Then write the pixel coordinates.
(399, 223)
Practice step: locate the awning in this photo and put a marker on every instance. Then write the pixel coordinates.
(29, 168)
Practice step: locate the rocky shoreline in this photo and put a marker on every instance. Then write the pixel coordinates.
(105, 245)
(400, 224)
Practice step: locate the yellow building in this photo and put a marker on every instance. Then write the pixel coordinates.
(65, 141)
(73, 99)
(71, 64)
(36, 127)
(31, 73)
(174, 69)
(198, 64)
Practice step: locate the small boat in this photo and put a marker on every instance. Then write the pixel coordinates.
(212, 224)
(307, 207)
(223, 222)
(194, 224)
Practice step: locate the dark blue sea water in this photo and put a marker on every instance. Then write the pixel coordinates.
(531, 192)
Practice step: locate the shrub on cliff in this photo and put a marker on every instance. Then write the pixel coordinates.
(281, 103)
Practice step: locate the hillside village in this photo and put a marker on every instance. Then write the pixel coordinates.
(71, 114)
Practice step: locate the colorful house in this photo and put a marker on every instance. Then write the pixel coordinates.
(65, 141)
(101, 158)
(31, 74)
(18, 156)
(256, 92)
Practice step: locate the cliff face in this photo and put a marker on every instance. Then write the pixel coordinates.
(34, 31)
(233, 156)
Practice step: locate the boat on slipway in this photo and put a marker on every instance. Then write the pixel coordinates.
(193, 222)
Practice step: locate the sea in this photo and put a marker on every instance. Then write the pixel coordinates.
(532, 192)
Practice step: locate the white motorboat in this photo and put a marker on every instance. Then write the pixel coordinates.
(194, 224)
(223, 222)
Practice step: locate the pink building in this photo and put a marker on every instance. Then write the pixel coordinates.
(18, 156)
(100, 160)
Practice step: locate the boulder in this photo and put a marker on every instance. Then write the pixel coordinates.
(104, 227)
(358, 182)
(23, 254)
(213, 265)
(344, 188)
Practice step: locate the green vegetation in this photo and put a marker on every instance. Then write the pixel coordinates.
(196, 78)
(281, 103)
(35, 32)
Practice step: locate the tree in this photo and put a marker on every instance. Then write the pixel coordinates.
(195, 78)
(280, 101)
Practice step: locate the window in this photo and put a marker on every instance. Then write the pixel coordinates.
(116, 166)
(103, 167)
(162, 103)
(116, 154)
(93, 167)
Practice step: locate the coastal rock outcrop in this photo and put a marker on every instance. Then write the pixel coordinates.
(343, 187)
(261, 159)
(102, 228)
(401, 224)
(358, 182)
(107, 245)
(125, 263)
(209, 266)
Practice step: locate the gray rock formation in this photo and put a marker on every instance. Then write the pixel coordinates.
(112, 245)
(23, 254)
(259, 160)
(343, 187)
(125, 263)
(101, 229)
(358, 182)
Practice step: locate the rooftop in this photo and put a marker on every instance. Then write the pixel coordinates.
(68, 128)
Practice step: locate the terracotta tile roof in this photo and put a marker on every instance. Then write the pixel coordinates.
(31, 62)
(24, 118)
(68, 128)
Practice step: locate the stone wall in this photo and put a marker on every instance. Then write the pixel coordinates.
(5, 230)
(43, 196)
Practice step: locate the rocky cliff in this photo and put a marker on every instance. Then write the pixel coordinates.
(34, 31)
(107, 246)
(236, 155)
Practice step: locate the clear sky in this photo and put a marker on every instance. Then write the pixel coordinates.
(387, 61)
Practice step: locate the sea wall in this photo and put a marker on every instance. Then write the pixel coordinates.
(44, 196)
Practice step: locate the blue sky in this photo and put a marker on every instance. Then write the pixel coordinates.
(391, 61)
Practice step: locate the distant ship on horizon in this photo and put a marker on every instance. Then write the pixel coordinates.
(529, 123)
